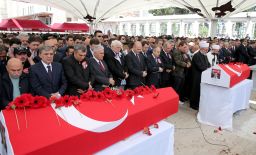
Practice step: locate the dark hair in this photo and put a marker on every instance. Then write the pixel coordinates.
(69, 36)
(97, 31)
(69, 47)
(34, 39)
(144, 43)
(79, 37)
(14, 41)
(182, 43)
(94, 41)
(3, 48)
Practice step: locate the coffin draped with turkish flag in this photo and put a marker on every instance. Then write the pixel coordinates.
(66, 130)
(226, 75)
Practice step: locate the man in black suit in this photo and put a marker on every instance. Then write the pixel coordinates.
(116, 63)
(242, 52)
(101, 75)
(155, 68)
(47, 77)
(77, 71)
(34, 43)
(168, 64)
(136, 65)
(14, 82)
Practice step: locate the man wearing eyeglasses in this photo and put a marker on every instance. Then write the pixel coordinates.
(99, 35)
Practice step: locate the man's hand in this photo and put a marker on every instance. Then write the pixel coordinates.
(188, 64)
(111, 81)
(126, 75)
(81, 91)
(161, 69)
(56, 95)
(144, 74)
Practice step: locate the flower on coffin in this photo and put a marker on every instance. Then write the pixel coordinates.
(146, 130)
(23, 101)
(100, 96)
(39, 101)
(108, 93)
(74, 100)
(156, 126)
(66, 101)
(147, 90)
(129, 93)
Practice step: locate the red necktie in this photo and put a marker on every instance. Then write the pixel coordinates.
(101, 66)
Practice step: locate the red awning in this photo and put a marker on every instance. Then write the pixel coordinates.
(70, 27)
(23, 25)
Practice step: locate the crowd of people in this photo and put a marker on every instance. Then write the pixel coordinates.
(55, 64)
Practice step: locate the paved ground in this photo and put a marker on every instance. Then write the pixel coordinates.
(192, 138)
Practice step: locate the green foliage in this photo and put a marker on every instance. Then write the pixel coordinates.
(169, 11)
(203, 30)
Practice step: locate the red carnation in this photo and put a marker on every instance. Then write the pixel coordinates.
(108, 93)
(39, 101)
(59, 102)
(84, 96)
(66, 101)
(23, 101)
(120, 93)
(100, 96)
(74, 100)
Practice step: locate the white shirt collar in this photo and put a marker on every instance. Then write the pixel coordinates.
(96, 59)
(45, 65)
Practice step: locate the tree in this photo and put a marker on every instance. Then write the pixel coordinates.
(169, 11)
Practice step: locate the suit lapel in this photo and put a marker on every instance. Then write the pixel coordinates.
(44, 72)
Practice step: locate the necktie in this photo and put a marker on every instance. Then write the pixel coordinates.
(138, 57)
(49, 71)
(156, 61)
(101, 66)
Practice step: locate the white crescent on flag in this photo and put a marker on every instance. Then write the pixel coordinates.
(74, 117)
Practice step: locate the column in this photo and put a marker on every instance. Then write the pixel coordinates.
(129, 33)
(147, 29)
(213, 28)
(249, 28)
(181, 29)
(169, 28)
(138, 29)
(228, 26)
(120, 28)
(158, 30)
(196, 28)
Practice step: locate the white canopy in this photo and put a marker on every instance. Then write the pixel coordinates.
(96, 10)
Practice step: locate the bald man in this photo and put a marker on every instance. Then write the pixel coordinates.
(14, 82)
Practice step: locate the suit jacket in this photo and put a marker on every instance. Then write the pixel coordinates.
(78, 76)
(7, 88)
(225, 55)
(135, 69)
(89, 52)
(181, 64)
(100, 77)
(154, 76)
(242, 53)
(116, 68)
(42, 84)
(167, 64)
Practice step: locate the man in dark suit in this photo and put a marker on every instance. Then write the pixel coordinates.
(77, 71)
(168, 64)
(155, 68)
(89, 47)
(34, 43)
(101, 75)
(116, 63)
(242, 52)
(136, 66)
(47, 77)
(14, 82)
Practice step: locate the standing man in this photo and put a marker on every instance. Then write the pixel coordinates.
(116, 63)
(199, 64)
(136, 66)
(182, 62)
(101, 75)
(76, 69)
(47, 77)
(213, 55)
(168, 64)
(14, 82)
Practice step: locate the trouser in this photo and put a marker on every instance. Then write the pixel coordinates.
(178, 85)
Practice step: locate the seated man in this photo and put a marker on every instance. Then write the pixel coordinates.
(100, 73)
(47, 77)
(14, 82)
(77, 71)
